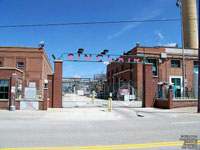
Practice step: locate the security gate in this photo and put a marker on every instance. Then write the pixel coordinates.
(78, 93)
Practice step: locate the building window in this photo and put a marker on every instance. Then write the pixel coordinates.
(175, 63)
(108, 74)
(112, 76)
(4, 84)
(20, 65)
(196, 66)
(0, 64)
(131, 72)
(122, 67)
(154, 68)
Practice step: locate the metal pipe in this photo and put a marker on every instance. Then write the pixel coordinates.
(158, 69)
(183, 60)
(166, 71)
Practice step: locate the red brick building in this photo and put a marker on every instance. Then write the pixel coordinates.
(167, 68)
(30, 65)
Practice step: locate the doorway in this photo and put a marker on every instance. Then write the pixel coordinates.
(177, 85)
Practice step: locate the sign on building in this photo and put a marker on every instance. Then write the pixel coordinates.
(30, 93)
(26, 105)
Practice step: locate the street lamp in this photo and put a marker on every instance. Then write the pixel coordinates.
(80, 50)
(45, 83)
(104, 52)
(53, 56)
(178, 4)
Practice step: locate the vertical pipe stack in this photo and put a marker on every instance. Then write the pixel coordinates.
(189, 20)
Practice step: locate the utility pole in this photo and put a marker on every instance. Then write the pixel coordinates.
(198, 107)
(178, 4)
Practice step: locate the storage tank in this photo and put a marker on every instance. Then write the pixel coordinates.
(189, 22)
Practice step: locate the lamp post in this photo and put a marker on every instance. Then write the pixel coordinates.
(45, 83)
(178, 4)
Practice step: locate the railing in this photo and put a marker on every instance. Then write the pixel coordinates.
(163, 94)
(184, 98)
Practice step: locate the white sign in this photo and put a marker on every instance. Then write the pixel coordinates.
(80, 92)
(126, 98)
(124, 91)
(30, 93)
(132, 97)
(26, 105)
(13, 89)
(32, 84)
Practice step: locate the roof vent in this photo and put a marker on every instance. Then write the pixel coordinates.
(41, 45)
(137, 44)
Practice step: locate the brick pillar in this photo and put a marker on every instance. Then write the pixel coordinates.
(150, 86)
(45, 99)
(13, 81)
(50, 89)
(57, 84)
(139, 79)
(170, 98)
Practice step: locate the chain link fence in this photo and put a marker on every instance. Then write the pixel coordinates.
(124, 91)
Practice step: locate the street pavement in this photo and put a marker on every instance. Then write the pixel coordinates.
(95, 128)
(73, 100)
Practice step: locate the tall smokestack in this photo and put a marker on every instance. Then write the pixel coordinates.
(189, 21)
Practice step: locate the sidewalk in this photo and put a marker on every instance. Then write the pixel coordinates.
(98, 114)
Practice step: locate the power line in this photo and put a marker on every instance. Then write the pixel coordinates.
(87, 23)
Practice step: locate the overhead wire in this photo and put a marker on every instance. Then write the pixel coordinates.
(87, 23)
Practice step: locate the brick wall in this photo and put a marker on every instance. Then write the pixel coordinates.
(170, 103)
(45, 99)
(6, 74)
(4, 104)
(50, 90)
(150, 86)
(185, 103)
(161, 103)
(36, 64)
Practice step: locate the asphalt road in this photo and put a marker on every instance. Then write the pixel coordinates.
(84, 128)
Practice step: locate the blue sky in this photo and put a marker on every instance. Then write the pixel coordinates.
(93, 38)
